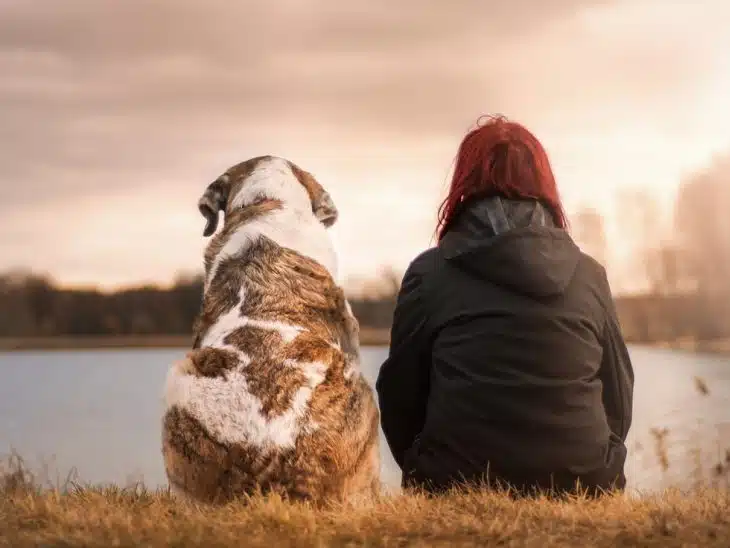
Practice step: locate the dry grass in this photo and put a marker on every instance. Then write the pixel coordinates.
(69, 515)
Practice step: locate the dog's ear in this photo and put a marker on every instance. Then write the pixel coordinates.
(324, 209)
(322, 205)
(213, 201)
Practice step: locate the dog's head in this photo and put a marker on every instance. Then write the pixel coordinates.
(260, 179)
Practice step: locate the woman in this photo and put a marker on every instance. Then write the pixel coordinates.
(506, 364)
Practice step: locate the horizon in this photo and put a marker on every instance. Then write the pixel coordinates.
(118, 116)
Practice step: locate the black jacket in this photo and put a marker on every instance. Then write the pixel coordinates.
(506, 359)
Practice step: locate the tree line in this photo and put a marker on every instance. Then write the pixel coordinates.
(32, 305)
(685, 262)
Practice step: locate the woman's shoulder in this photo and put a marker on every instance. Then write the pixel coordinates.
(593, 275)
(424, 263)
(590, 267)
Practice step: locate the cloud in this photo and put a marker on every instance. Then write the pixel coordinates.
(133, 86)
(145, 100)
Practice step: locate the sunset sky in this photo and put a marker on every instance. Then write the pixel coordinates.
(115, 115)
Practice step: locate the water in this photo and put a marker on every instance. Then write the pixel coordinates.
(99, 412)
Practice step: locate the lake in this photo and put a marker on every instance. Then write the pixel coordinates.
(98, 411)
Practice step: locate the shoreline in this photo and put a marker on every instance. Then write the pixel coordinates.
(368, 337)
(717, 347)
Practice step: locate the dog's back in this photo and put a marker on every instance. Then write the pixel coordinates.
(271, 396)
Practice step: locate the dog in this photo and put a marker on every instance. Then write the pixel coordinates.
(271, 397)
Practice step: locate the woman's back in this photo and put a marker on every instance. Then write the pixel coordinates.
(516, 359)
(506, 357)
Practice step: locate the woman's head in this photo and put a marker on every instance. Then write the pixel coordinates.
(501, 158)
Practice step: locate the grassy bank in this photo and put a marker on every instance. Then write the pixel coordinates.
(368, 337)
(103, 517)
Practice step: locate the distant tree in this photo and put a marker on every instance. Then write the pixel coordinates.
(655, 254)
(391, 279)
(16, 317)
(385, 285)
(702, 221)
(664, 269)
(642, 232)
(590, 234)
(40, 296)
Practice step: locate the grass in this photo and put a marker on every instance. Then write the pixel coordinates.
(67, 514)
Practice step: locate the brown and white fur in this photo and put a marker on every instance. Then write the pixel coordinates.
(271, 397)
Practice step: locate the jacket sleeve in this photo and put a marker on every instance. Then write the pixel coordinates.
(403, 380)
(617, 375)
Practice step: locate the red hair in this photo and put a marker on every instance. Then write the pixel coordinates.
(500, 158)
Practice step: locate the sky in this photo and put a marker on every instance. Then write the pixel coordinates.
(114, 116)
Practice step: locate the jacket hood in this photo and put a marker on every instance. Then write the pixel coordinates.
(514, 244)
